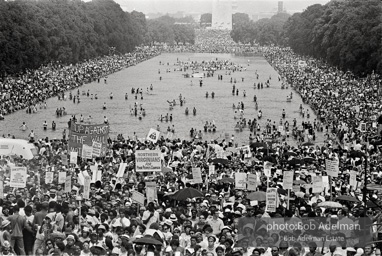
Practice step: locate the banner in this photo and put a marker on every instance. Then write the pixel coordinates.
(87, 152)
(153, 135)
(68, 184)
(18, 177)
(332, 167)
(148, 161)
(138, 197)
(240, 180)
(197, 175)
(73, 157)
(87, 187)
(288, 179)
(86, 134)
(271, 200)
(353, 179)
(97, 149)
(252, 182)
(318, 185)
(61, 177)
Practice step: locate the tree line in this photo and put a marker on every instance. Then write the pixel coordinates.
(346, 34)
(34, 33)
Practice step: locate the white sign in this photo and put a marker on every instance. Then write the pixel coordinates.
(97, 148)
(271, 199)
(252, 182)
(332, 167)
(87, 187)
(363, 127)
(151, 191)
(68, 184)
(353, 179)
(61, 177)
(240, 180)
(153, 135)
(18, 177)
(148, 161)
(138, 197)
(49, 177)
(121, 170)
(1, 189)
(318, 185)
(211, 170)
(87, 152)
(288, 179)
(73, 157)
(197, 175)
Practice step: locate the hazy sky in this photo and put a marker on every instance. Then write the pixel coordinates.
(202, 6)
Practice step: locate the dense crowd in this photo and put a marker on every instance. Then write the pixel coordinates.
(220, 216)
(32, 87)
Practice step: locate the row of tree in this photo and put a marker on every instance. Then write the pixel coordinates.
(345, 33)
(33, 33)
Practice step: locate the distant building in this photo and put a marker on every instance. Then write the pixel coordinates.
(280, 7)
(222, 14)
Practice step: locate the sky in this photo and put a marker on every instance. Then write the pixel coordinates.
(204, 6)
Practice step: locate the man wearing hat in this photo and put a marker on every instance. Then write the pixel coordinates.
(71, 248)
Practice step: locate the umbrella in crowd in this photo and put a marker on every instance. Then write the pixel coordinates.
(148, 240)
(258, 195)
(259, 145)
(186, 193)
(346, 198)
(220, 161)
(294, 161)
(227, 180)
(290, 153)
(307, 144)
(330, 204)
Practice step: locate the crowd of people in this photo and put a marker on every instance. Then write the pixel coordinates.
(32, 87)
(220, 216)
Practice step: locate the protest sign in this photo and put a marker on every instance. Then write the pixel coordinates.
(151, 191)
(153, 135)
(138, 197)
(64, 159)
(148, 161)
(87, 187)
(18, 177)
(1, 189)
(288, 179)
(353, 179)
(271, 199)
(211, 170)
(97, 149)
(86, 134)
(252, 182)
(121, 170)
(240, 180)
(68, 184)
(87, 152)
(61, 177)
(49, 177)
(73, 157)
(332, 167)
(197, 175)
(318, 185)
